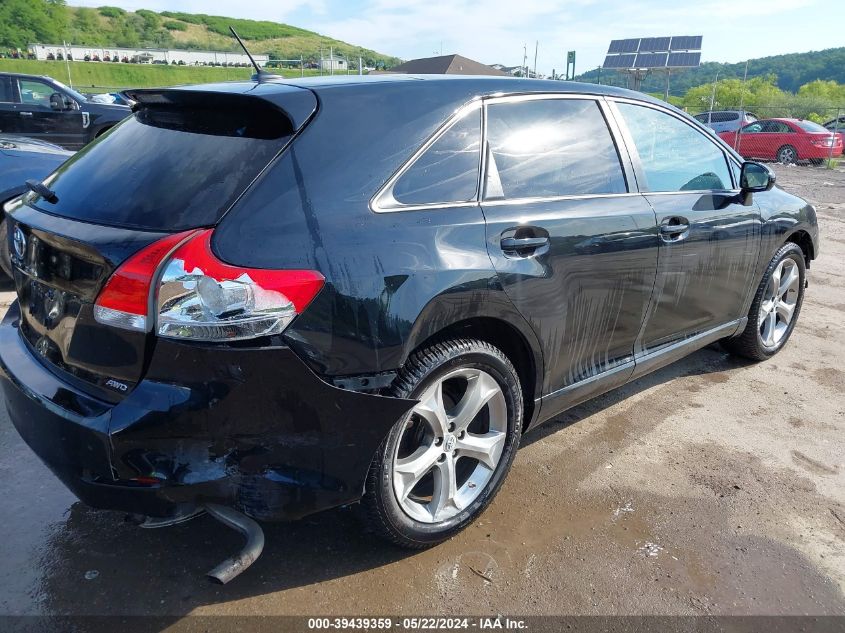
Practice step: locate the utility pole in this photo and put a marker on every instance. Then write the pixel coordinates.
(713, 94)
(67, 63)
(525, 60)
(536, 46)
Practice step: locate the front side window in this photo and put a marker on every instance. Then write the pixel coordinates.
(35, 93)
(674, 156)
(447, 172)
(550, 148)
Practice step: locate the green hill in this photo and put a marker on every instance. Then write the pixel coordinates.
(792, 71)
(23, 22)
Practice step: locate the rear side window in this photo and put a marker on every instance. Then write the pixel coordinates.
(447, 172)
(169, 168)
(550, 148)
(674, 156)
(724, 117)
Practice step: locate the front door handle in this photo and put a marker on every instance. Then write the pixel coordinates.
(26, 113)
(523, 243)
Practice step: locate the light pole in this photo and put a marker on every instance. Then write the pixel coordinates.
(713, 94)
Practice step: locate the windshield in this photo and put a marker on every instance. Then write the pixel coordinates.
(809, 126)
(73, 93)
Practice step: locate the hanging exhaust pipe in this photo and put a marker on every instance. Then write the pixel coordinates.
(237, 564)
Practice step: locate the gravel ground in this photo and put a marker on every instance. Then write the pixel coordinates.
(713, 486)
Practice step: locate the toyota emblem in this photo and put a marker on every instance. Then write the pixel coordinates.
(19, 241)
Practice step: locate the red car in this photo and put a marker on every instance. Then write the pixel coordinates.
(785, 140)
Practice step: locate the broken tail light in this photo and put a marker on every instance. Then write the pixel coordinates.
(200, 298)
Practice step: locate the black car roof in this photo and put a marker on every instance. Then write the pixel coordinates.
(473, 85)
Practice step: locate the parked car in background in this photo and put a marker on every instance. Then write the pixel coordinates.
(108, 98)
(22, 159)
(786, 141)
(837, 125)
(231, 314)
(725, 120)
(45, 109)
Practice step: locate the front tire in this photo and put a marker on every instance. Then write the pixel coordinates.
(776, 306)
(443, 463)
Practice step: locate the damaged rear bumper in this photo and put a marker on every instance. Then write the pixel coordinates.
(252, 428)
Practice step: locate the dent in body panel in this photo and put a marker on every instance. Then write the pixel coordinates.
(253, 426)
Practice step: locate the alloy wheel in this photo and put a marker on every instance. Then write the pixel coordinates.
(451, 445)
(779, 303)
(787, 156)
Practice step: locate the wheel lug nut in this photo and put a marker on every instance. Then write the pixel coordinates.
(451, 427)
(438, 441)
(442, 458)
(455, 453)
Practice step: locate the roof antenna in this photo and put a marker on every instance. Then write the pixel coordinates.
(259, 73)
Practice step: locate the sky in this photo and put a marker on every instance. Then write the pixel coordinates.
(496, 31)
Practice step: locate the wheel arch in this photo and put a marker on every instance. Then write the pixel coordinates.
(805, 242)
(520, 347)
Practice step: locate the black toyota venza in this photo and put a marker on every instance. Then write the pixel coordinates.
(283, 297)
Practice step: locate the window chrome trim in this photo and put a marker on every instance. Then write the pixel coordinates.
(493, 202)
(383, 200)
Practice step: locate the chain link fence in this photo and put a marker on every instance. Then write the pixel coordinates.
(784, 133)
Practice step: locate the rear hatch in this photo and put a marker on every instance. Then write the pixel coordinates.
(179, 162)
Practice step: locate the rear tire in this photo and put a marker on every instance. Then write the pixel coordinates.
(787, 155)
(776, 306)
(436, 472)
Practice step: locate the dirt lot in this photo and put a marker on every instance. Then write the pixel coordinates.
(711, 487)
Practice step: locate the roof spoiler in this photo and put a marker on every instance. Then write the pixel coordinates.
(294, 104)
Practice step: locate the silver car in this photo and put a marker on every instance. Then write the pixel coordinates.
(726, 120)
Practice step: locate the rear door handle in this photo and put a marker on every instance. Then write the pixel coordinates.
(520, 243)
(674, 229)
(26, 113)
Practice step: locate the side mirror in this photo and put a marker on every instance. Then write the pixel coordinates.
(70, 104)
(57, 101)
(756, 177)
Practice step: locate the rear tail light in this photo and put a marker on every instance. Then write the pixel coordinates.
(200, 298)
(124, 301)
(830, 141)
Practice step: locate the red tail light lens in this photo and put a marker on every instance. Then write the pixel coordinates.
(203, 299)
(200, 297)
(124, 302)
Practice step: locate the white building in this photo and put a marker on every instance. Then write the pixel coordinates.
(143, 55)
(334, 64)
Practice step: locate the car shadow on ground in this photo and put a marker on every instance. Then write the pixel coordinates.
(99, 563)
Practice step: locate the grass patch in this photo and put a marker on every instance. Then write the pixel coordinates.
(112, 76)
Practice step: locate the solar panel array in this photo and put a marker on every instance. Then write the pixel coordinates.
(680, 51)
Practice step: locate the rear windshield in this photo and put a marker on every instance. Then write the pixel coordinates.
(809, 126)
(168, 169)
